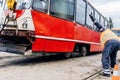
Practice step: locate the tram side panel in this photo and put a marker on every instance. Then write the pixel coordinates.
(51, 33)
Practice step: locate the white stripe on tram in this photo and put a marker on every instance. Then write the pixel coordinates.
(64, 39)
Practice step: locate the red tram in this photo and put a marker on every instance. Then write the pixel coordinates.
(53, 26)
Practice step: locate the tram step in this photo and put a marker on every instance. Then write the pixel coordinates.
(8, 25)
(12, 48)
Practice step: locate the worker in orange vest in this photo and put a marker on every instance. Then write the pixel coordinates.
(110, 44)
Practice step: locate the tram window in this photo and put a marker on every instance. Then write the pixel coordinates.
(62, 9)
(106, 24)
(89, 22)
(21, 4)
(1, 2)
(97, 17)
(102, 20)
(80, 11)
(40, 5)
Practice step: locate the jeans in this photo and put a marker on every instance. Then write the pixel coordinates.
(109, 54)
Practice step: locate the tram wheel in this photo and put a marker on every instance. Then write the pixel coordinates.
(67, 54)
(83, 51)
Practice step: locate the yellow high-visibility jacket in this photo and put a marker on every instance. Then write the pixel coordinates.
(107, 35)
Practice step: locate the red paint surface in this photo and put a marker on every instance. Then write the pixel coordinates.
(46, 25)
(18, 12)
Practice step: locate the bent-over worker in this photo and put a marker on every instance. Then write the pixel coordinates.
(110, 44)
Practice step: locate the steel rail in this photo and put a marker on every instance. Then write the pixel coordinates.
(92, 76)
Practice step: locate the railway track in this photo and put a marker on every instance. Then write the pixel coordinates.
(97, 73)
(92, 76)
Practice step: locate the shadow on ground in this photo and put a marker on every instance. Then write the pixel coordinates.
(32, 60)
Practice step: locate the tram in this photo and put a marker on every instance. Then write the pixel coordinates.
(52, 26)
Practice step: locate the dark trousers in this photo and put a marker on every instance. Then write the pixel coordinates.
(109, 54)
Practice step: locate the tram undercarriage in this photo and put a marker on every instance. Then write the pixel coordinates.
(10, 42)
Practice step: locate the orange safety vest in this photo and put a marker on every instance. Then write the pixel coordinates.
(107, 35)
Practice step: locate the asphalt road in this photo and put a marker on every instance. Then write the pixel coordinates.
(18, 67)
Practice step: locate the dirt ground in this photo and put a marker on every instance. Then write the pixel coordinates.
(18, 67)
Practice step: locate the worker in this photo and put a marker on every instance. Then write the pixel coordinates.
(110, 44)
